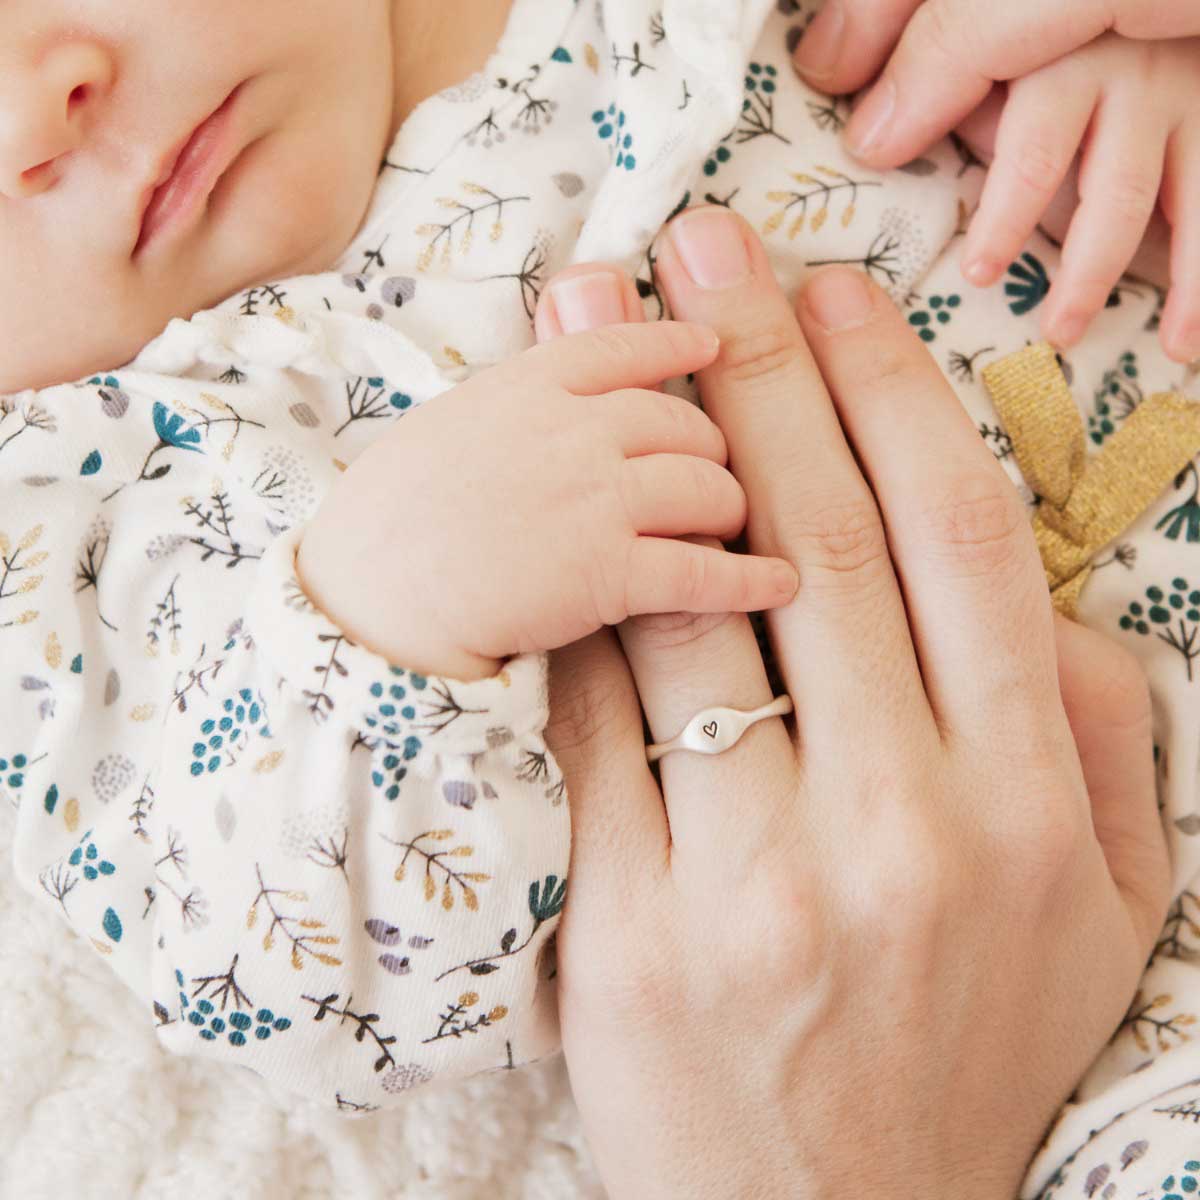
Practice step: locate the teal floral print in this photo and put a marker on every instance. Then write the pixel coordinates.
(346, 874)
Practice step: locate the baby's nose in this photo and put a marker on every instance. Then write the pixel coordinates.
(44, 103)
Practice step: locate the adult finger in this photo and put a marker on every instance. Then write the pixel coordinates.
(618, 823)
(843, 645)
(1038, 137)
(953, 50)
(684, 662)
(1107, 702)
(963, 548)
(849, 40)
(1119, 182)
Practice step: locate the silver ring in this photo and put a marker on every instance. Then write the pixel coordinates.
(715, 730)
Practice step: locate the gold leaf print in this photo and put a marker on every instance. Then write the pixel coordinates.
(143, 712)
(591, 58)
(797, 226)
(53, 652)
(454, 356)
(819, 220)
(505, 678)
(28, 615)
(428, 230)
(329, 960)
(251, 917)
(341, 466)
(297, 962)
(36, 560)
(101, 946)
(773, 222)
(430, 887)
(31, 584)
(800, 177)
(497, 231)
(447, 896)
(470, 899)
(426, 259)
(268, 762)
(440, 835)
(400, 873)
(779, 197)
(474, 189)
(450, 202)
(5, 544)
(31, 538)
(848, 216)
(71, 815)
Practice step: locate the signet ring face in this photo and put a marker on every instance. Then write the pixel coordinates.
(715, 730)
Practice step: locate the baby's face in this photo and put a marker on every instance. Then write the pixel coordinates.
(96, 96)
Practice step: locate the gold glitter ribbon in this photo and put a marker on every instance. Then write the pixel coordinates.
(1085, 502)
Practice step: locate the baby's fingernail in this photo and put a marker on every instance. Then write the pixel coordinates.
(839, 299)
(589, 302)
(787, 580)
(870, 121)
(1186, 344)
(981, 271)
(820, 47)
(712, 248)
(1069, 329)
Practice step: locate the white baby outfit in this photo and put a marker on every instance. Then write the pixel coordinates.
(322, 866)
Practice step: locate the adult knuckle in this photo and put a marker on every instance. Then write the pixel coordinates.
(844, 538)
(678, 630)
(752, 355)
(976, 522)
(910, 882)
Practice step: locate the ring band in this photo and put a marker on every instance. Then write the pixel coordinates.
(715, 730)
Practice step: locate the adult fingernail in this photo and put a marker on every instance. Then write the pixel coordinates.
(589, 302)
(871, 118)
(712, 248)
(839, 299)
(820, 47)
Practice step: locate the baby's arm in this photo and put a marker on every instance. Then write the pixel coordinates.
(322, 862)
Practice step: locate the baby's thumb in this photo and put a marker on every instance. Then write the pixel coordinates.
(1107, 700)
(589, 296)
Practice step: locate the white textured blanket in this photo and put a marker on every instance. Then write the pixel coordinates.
(91, 1108)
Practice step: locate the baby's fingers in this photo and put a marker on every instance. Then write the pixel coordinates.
(667, 576)
(670, 495)
(1181, 318)
(1119, 183)
(1037, 139)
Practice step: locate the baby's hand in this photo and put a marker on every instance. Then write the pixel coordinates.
(1134, 109)
(536, 503)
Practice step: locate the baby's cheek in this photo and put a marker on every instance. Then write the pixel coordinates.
(296, 203)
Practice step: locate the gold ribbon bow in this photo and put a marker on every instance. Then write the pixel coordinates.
(1085, 502)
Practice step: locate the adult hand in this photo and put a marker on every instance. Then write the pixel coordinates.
(942, 56)
(878, 953)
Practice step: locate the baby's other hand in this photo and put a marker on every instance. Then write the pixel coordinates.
(1131, 111)
(539, 501)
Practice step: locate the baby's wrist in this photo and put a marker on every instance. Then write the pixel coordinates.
(338, 591)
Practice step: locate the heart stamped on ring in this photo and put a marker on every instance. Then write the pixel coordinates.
(711, 729)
